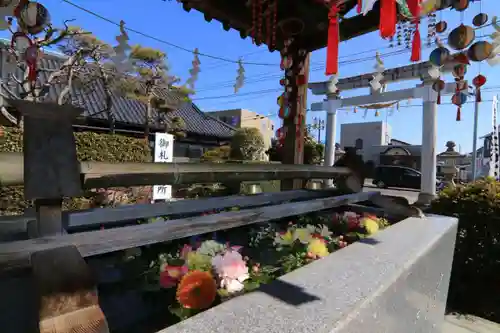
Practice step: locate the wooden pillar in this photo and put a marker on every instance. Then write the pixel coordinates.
(294, 125)
(66, 292)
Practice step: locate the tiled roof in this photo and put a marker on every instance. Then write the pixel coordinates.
(128, 111)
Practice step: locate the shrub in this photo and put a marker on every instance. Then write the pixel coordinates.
(313, 152)
(218, 154)
(247, 144)
(474, 284)
(90, 146)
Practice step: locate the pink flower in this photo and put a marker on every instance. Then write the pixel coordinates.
(231, 269)
(171, 275)
(185, 251)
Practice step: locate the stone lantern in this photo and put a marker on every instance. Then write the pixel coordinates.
(450, 158)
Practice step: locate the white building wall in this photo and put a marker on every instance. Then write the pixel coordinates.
(377, 133)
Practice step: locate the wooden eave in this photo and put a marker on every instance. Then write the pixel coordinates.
(237, 15)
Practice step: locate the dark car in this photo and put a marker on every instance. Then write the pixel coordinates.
(397, 176)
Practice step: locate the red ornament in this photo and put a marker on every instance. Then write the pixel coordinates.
(416, 50)
(388, 18)
(332, 48)
(360, 6)
(478, 82)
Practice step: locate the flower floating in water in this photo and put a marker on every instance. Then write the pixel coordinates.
(211, 248)
(231, 269)
(197, 290)
(317, 248)
(199, 261)
(303, 235)
(171, 275)
(284, 238)
(370, 224)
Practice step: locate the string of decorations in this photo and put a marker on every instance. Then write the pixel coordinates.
(461, 39)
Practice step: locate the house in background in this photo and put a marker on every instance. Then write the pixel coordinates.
(203, 132)
(373, 142)
(245, 118)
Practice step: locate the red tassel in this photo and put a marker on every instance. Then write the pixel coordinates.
(478, 95)
(360, 5)
(416, 48)
(459, 109)
(332, 48)
(439, 97)
(388, 19)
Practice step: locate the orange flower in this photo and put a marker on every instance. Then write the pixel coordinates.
(196, 290)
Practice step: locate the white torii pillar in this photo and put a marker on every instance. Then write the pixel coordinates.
(428, 157)
(330, 129)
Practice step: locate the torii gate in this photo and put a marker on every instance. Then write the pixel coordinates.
(423, 91)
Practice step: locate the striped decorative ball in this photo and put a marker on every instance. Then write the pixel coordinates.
(480, 51)
(461, 37)
(33, 18)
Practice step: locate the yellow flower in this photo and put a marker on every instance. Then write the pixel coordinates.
(285, 238)
(303, 235)
(370, 225)
(317, 247)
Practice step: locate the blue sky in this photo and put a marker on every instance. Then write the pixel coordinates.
(167, 20)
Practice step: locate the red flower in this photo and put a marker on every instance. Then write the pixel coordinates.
(171, 275)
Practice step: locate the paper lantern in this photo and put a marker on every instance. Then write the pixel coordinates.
(480, 19)
(480, 51)
(459, 70)
(478, 82)
(439, 56)
(460, 5)
(441, 26)
(461, 37)
(438, 86)
(33, 18)
(459, 98)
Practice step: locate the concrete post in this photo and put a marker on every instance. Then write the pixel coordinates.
(330, 136)
(428, 154)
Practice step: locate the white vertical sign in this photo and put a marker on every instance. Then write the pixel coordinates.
(163, 153)
(493, 172)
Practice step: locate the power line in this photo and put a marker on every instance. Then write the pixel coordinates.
(163, 41)
(267, 77)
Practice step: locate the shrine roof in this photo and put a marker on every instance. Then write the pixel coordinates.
(310, 17)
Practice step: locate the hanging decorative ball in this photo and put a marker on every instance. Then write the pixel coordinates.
(441, 26)
(461, 58)
(460, 5)
(33, 18)
(479, 81)
(439, 56)
(480, 19)
(459, 98)
(459, 70)
(20, 42)
(461, 37)
(438, 85)
(480, 51)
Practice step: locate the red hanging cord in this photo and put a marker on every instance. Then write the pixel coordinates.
(459, 116)
(332, 48)
(416, 50)
(388, 18)
(360, 5)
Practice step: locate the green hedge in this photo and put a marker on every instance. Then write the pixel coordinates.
(475, 276)
(90, 147)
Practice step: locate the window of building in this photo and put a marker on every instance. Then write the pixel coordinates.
(359, 143)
